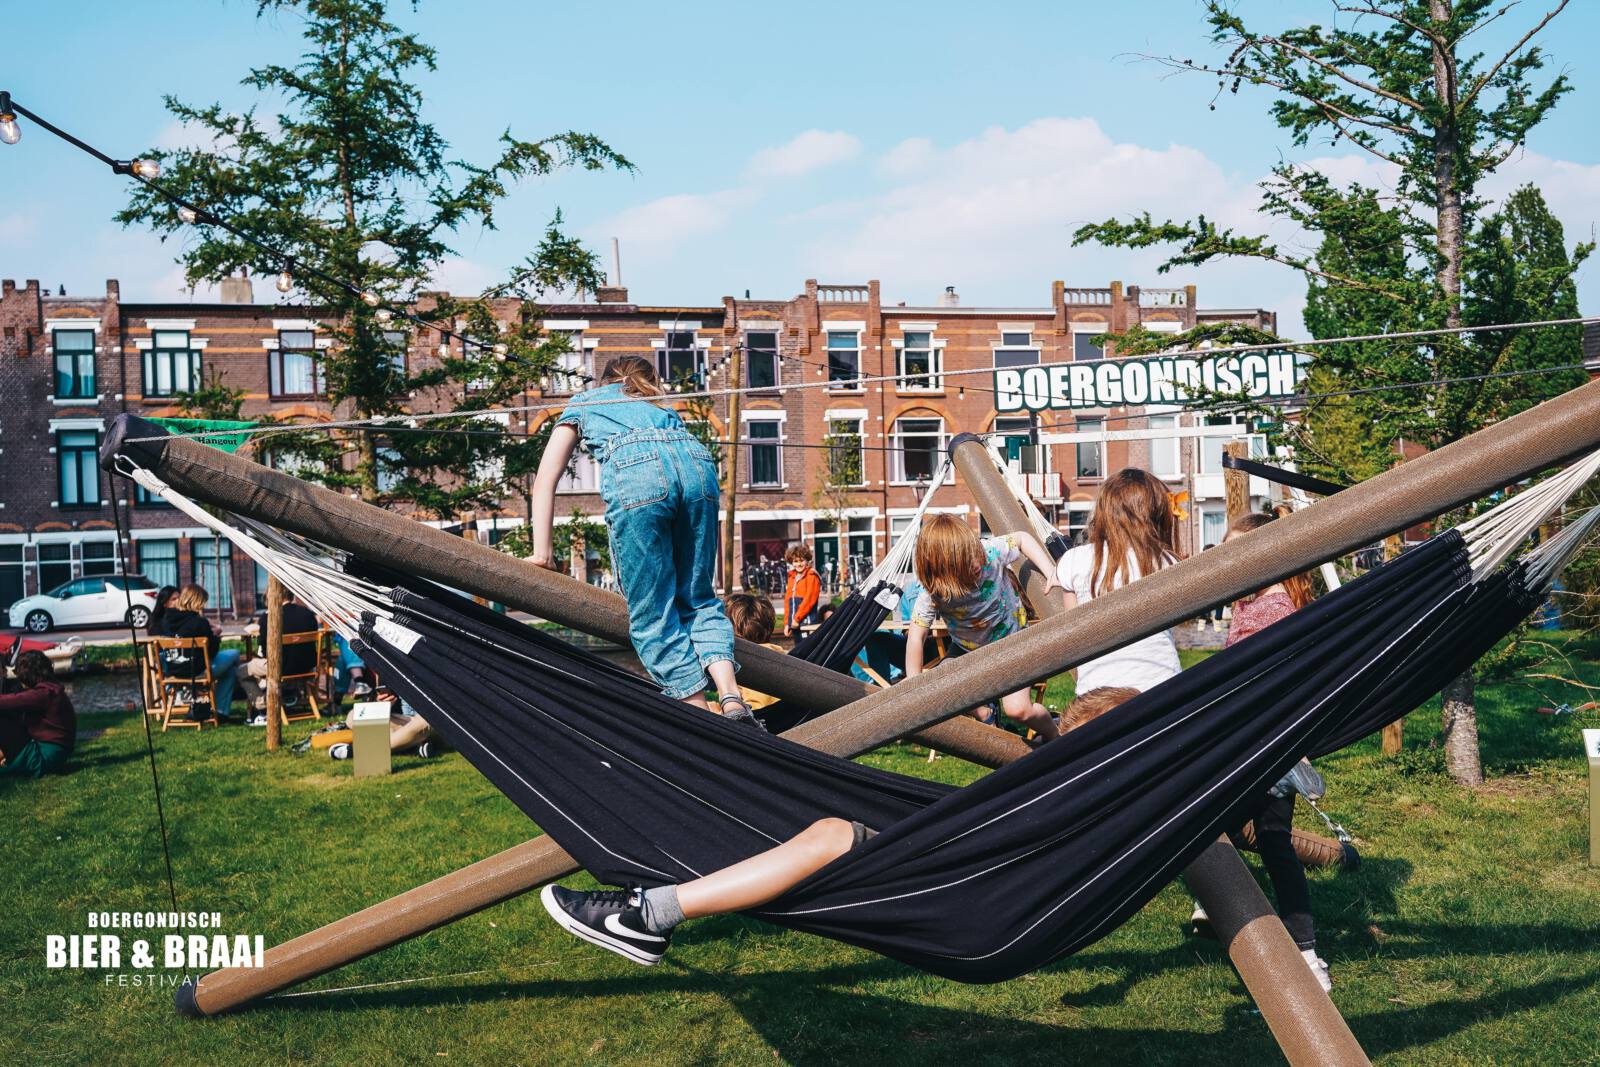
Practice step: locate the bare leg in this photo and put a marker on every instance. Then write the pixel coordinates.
(722, 674)
(768, 875)
(698, 700)
(1020, 706)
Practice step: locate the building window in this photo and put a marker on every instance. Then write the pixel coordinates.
(1015, 357)
(391, 468)
(1213, 526)
(572, 365)
(1016, 338)
(1091, 454)
(77, 461)
(213, 570)
(395, 345)
(847, 461)
(99, 557)
(158, 561)
(761, 360)
(766, 453)
(1017, 445)
(582, 474)
(1211, 447)
(1078, 524)
(681, 365)
(919, 364)
(170, 366)
(293, 369)
(1085, 346)
(144, 498)
(844, 359)
(917, 444)
(74, 364)
(1164, 459)
(55, 565)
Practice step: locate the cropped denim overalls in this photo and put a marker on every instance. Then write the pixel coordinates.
(660, 488)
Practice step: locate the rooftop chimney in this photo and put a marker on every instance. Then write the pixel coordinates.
(612, 294)
(948, 298)
(237, 291)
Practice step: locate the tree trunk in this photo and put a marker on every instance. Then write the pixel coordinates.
(1460, 724)
(1460, 708)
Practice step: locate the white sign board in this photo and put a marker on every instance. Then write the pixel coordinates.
(1162, 380)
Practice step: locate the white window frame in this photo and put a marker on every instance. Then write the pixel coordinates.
(1098, 446)
(1087, 328)
(701, 349)
(495, 469)
(859, 417)
(763, 416)
(1171, 447)
(775, 328)
(146, 347)
(582, 474)
(1046, 456)
(897, 454)
(934, 379)
(855, 329)
(1255, 443)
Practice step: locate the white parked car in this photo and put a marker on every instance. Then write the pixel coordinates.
(101, 600)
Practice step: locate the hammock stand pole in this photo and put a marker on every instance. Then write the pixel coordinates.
(1303, 1020)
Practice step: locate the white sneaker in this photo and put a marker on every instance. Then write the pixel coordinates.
(1319, 967)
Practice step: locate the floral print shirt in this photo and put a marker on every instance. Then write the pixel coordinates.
(991, 611)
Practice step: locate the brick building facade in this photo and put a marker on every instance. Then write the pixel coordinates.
(69, 365)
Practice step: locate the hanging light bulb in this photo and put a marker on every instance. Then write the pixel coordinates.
(285, 282)
(146, 168)
(369, 298)
(10, 132)
(383, 315)
(188, 214)
(500, 353)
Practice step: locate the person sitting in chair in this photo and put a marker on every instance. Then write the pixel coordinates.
(297, 658)
(38, 726)
(184, 618)
(637, 923)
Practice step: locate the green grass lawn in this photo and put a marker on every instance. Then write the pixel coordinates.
(1469, 935)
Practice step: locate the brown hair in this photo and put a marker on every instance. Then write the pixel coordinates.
(799, 552)
(1095, 703)
(190, 598)
(1298, 586)
(1132, 521)
(637, 375)
(752, 616)
(949, 558)
(34, 667)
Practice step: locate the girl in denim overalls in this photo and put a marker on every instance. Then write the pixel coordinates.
(660, 488)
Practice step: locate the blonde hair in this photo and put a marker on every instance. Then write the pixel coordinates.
(949, 558)
(637, 375)
(1132, 521)
(1095, 703)
(752, 616)
(190, 598)
(1298, 586)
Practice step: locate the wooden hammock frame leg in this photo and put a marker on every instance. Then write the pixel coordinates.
(1394, 500)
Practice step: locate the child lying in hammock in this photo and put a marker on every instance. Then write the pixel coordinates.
(638, 923)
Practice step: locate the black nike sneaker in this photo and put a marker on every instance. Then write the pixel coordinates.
(609, 918)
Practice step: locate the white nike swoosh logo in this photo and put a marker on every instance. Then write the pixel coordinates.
(614, 924)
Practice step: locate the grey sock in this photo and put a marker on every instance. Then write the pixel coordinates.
(660, 909)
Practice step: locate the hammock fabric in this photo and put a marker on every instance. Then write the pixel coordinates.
(1030, 863)
(836, 642)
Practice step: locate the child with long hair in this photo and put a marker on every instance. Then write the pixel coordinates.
(1131, 534)
(965, 582)
(659, 484)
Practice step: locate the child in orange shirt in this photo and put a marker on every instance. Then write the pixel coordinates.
(801, 591)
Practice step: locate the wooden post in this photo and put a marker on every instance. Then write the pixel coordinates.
(736, 381)
(272, 646)
(1236, 483)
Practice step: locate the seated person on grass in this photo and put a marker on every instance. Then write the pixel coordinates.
(297, 659)
(753, 619)
(638, 923)
(38, 725)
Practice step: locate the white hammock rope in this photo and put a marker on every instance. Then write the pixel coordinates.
(896, 562)
(1497, 533)
(1042, 529)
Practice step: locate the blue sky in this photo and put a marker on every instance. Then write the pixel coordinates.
(923, 144)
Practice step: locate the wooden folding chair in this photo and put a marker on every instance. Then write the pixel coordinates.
(310, 681)
(182, 694)
(150, 676)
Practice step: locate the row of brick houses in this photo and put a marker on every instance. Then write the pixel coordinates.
(69, 365)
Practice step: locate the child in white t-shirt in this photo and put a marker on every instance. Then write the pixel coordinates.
(1130, 535)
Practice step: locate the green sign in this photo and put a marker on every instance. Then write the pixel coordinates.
(1136, 382)
(226, 442)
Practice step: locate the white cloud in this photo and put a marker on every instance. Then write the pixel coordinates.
(804, 153)
(907, 157)
(655, 227)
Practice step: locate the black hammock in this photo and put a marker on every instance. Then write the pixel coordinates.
(1028, 864)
